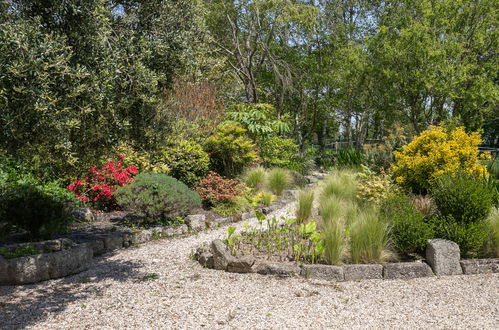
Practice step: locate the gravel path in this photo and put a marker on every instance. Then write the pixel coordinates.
(113, 294)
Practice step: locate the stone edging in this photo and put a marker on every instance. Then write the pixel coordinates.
(218, 257)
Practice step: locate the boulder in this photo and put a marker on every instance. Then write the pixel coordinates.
(323, 272)
(480, 266)
(241, 264)
(196, 222)
(362, 272)
(277, 268)
(221, 255)
(293, 194)
(443, 256)
(406, 270)
(113, 241)
(84, 215)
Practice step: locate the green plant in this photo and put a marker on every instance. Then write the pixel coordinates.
(493, 167)
(254, 177)
(151, 276)
(334, 241)
(340, 183)
(264, 198)
(278, 179)
(334, 208)
(470, 236)
(187, 160)
(463, 197)
(157, 198)
(232, 240)
(280, 152)
(348, 157)
(40, 210)
(372, 187)
(23, 251)
(436, 152)
(305, 204)
(368, 238)
(409, 229)
(229, 208)
(230, 150)
(493, 223)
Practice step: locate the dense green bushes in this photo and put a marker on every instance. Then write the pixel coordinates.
(157, 198)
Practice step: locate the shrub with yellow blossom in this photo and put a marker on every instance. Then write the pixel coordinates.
(435, 152)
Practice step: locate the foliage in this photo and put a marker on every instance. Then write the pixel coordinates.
(40, 210)
(334, 208)
(334, 241)
(410, 231)
(348, 157)
(264, 198)
(463, 197)
(98, 187)
(278, 179)
(493, 224)
(340, 183)
(493, 167)
(470, 236)
(305, 203)
(157, 198)
(23, 251)
(280, 152)
(235, 207)
(368, 238)
(254, 177)
(373, 187)
(230, 151)
(435, 152)
(215, 189)
(187, 160)
(144, 160)
(258, 119)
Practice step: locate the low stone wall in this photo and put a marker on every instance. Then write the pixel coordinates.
(41, 267)
(441, 256)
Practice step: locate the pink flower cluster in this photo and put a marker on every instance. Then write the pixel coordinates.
(98, 187)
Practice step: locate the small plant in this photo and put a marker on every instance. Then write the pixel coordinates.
(264, 198)
(232, 240)
(278, 180)
(372, 187)
(334, 241)
(334, 208)
(230, 208)
(151, 276)
(341, 184)
(23, 251)
(493, 223)
(305, 204)
(254, 177)
(215, 189)
(157, 198)
(368, 238)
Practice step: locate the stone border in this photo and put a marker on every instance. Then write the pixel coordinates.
(218, 257)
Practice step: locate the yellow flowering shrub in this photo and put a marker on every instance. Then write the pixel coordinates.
(435, 152)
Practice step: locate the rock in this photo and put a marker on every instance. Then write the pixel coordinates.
(196, 222)
(141, 236)
(362, 272)
(280, 269)
(323, 272)
(206, 260)
(480, 266)
(221, 255)
(222, 221)
(247, 215)
(406, 270)
(97, 246)
(443, 257)
(241, 264)
(113, 241)
(175, 231)
(70, 262)
(293, 194)
(84, 215)
(311, 179)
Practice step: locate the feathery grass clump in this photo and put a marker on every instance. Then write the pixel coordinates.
(255, 177)
(265, 198)
(493, 222)
(340, 183)
(305, 204)
(368, 238)
(333, 207)
(278, 179)
(334, 241)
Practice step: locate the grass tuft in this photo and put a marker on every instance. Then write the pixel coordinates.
(278, 179)
(305, 204)
(368, 238)
(255, 177)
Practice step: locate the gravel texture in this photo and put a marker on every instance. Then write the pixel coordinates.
(114, 294)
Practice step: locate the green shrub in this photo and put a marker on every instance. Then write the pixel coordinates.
(234, 207)
(464, 198)
(255, 177)
(230, 150)
(409, 230)
(157, 198)
(188, 162)
(264, 198)
(334, 241)
(348, 157)
(278, 179)
(305, 204)
(368, 238)
(42, 210)
(470, 236)
(279, 152)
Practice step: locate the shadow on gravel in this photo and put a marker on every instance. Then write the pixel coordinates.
(22, 306)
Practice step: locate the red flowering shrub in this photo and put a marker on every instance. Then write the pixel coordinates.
(215, 189)
(98, 187)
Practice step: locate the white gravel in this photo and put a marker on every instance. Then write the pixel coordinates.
(113, 294)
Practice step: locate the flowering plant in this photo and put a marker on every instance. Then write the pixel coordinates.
(98, 186)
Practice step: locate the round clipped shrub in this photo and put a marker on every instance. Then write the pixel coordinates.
(40, 210)
(188, 162)
(157, 198)
(435, 152)
(463, 197)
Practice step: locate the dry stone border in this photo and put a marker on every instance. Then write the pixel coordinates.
(442, 257)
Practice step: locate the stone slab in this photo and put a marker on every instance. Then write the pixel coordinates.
(362, 272)
(277, 268)
(404, 270)
(323, 272)
(480, 266)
